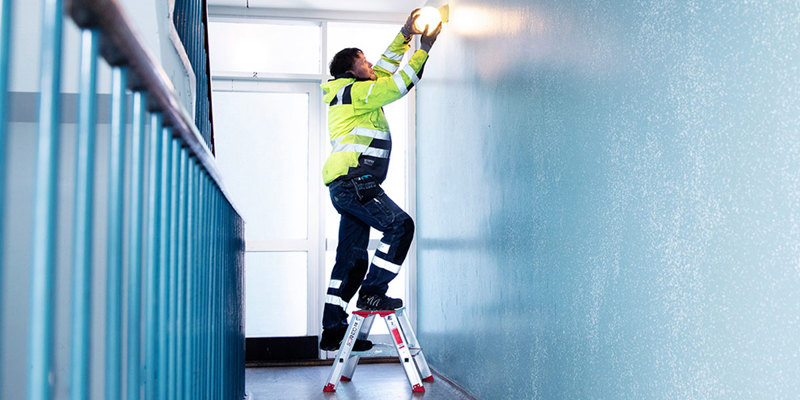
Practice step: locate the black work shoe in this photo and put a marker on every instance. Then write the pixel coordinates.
(377, 302)
(332, 339)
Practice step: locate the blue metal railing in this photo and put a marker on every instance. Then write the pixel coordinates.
(84, 205)
(5, 41)
(170, 227)
(44, 219)
(115, 234)
(191, 22)
(135, 239)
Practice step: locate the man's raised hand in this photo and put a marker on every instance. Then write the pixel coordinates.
(409, 28)
(429, 37)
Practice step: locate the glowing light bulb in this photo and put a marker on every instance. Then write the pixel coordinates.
(427, 16)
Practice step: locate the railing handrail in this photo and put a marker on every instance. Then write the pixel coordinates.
(126, 49)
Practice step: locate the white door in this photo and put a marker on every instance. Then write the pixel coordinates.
(268, 153)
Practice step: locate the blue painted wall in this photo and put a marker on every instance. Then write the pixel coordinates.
(609, 199)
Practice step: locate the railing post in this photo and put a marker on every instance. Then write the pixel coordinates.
(173, 266)
(240, 289)
(220, 300)
(40, 347)
(239, 248)
(222, 306)
(230, 310)
(82, 225)
(215, 298)
(163, 272)
(153, 262)
(202, 279)
(191, 261)
(209, 288)
(212, 294)
(197, 282)
(180, 317)
(206, 262)
(135, 259)
(225, 308)
(5, 43)
(212, 270)
(194, 245)
(115, 231)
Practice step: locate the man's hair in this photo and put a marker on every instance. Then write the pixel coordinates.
(343, 60)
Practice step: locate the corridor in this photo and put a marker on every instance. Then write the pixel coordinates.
(373, 381)
(587, 199)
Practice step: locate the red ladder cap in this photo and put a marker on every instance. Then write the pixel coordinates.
(381, 313)
(418, 388)
(428, 379)
(345, 379)
(329, 388)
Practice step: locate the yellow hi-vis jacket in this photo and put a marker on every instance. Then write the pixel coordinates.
(357, 126)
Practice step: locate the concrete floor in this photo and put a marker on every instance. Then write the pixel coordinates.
(370, 381)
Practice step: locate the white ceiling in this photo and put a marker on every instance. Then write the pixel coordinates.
(372, 6)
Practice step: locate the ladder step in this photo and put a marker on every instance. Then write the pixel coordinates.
(382, 350)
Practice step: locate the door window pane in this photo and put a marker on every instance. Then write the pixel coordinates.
(273, 47)
(372, 39)
(275, 294)
(261, 142)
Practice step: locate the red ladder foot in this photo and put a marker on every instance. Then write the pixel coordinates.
(428, 379)
(329, 388)
(345, 379)
(418, 388)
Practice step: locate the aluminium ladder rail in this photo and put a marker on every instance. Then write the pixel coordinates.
(405, 343)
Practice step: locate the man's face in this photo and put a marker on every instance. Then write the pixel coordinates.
(362, 68)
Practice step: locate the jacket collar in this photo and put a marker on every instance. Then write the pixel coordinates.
(348, 75)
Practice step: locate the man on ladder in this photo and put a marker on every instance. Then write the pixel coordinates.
(361, 141)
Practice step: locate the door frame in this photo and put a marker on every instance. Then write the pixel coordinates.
(318, 194)
(311, 245)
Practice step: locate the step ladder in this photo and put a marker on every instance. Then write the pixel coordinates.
(405, 342)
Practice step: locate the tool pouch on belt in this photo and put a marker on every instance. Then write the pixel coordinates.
(367, 188)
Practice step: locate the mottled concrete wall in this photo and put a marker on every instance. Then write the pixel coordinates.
(609, 199)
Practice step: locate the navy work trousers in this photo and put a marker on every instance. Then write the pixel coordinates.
(350, 269)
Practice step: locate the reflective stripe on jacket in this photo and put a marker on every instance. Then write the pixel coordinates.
(358, 131)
